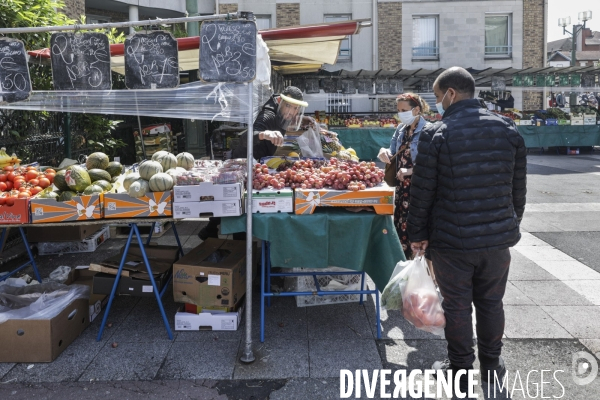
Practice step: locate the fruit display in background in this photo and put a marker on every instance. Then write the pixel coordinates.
(97, 160)
(6, 160)
(23, 182)
(149, 168)
(185, 160)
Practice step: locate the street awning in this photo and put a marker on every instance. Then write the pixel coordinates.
(295, 49)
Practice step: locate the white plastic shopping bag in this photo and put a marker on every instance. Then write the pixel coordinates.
(310, 143)
(391, 297)
(421, 305)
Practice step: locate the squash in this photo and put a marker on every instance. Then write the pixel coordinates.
(129, 179)
(97, 160)
(92, 189)
(149, 168)
(167, 161)
(77, 178)
(185, 160)
(114, 168)
(139, 188)
(161, 182)
(98, 175)
(158, 154)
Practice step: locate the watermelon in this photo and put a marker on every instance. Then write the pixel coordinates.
(139, 188)
(114, 168)
(167, 161)
(97, 160)
(185, 160)
(129, 179)
(99, 175)
(93, 189)
(158, 154)
(59, 180)
(77, 178)
(149, 168)
(103, 184)
(161, 182)
(66, 195)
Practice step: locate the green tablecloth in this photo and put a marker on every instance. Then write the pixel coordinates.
(555, 136)
(366, 141)
(361, 241)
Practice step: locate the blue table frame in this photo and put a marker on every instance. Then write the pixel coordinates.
(31, 260)
(266, 294)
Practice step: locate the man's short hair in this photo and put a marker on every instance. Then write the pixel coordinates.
(293, 92)
(458, 79)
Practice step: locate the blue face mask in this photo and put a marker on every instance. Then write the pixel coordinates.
(440, 107)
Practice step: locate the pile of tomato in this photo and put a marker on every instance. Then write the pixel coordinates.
(23, 183)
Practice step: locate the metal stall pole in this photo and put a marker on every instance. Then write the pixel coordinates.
(248, 356)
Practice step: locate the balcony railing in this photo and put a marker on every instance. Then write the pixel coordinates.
(426, 52)
(501, 51)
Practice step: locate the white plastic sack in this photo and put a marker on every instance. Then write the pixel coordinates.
(310, 143)
(421, 305)
(391, 297)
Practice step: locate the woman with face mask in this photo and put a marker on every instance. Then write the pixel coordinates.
(404, 142)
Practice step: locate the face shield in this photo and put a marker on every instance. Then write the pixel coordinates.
(290, 112)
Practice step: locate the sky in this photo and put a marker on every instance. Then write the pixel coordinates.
(570, 8)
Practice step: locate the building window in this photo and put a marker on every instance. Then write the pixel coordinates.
(425, 37)
(345, 53)
(498, 35)
(338, 103)
(263, 22)
(97, 19)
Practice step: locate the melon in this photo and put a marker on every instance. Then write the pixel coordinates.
(185, 160)
(161, 182)
(77, 178)
(59, 180)
(149, 168)
(115, 179)
(93, 189)
(158, 154)
(129, 179)
(97, 160)
(114, 168)
(99, 175)
(167, 161)
(49, 195)
(139, 188)
(106, 185)
(66, 195)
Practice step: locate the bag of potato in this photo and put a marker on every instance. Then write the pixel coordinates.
(421, 305)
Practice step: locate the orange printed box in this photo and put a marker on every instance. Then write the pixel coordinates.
(79, 208)
(155, 204)
(16, 213)
(381, 198)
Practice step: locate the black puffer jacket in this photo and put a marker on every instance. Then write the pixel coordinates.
(469, 182)
(266, 120)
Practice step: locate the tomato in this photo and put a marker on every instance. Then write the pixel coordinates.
(35, 190)
(3, 197)
(10, 201)
(31, 174)
(34, 182)
(10, 176)
(3, 186)
(50, 176)
(8, 168)
(44, 182)
(24, 195)
(49, 171)
(31, 167)
(9, 185)
(23, 188)
(3, 178)
(18, 183)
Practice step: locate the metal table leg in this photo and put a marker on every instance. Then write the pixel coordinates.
(262, 293)
(29, 253)
(268, 261)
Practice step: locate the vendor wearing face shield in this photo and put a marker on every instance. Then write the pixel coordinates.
(283, 112)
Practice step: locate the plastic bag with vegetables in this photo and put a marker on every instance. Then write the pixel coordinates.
(391, 297)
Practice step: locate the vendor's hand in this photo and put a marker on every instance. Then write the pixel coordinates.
(384, 155)
(274, 137)
(403, 173)
(419, 248)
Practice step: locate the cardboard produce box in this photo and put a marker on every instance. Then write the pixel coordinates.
(213, 320)
(73, 233)
(207, 191)
(134, 266)
(212, 274)
(83, 276)
(273, 201)
(31, 340)
(197, 209)
(18, 213)
(121, 205)
(103, 284)
(380, 197)
(80, 208)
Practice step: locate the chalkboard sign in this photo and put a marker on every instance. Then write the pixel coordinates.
(228, 51)
(364, 86)
(396, 86)
(498, 83)
(329, 86)
(151, 61)
(15, 83)
(348, 86)
(382, 87)
(312, 86)
(80, 61)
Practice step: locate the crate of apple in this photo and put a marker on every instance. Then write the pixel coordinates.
(23, 183)
(387, 122)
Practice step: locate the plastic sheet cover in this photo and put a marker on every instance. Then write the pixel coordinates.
(197, 100)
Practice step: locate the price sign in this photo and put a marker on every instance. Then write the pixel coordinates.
(15, 83)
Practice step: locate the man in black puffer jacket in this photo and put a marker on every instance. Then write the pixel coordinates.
(467, 200)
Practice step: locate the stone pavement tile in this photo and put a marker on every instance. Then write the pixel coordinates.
(530, 356)
(192, 242)
(531, 322)
(395, 326)
(68, 367)
(527, 239)
(121, 308)
(338, 321)
(145, 323)
(328, 357)
(515, 297)
(567, 270)
(551, 293)
(199, 360)
(283, 320)
(129, 361)
(4, 368)
(411, 354)
(537, 223)
(275, 359)
(582, 322)
(593, 345)
(308, 388)
(523, 269)
(542, 253)
(590, 289)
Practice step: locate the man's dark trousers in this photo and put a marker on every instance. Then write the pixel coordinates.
(479, 278)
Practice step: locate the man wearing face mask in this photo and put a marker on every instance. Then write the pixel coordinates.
(281, 113)
(467, 200)
(404, 143)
